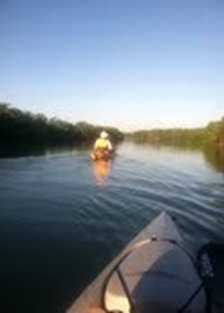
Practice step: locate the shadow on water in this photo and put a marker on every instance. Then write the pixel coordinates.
(23, 150)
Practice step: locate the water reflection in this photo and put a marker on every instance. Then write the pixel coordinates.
(215, 157)
(101, 169)
(22, 150)
(213, 154)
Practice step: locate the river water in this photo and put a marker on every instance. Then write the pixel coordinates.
(62, 217)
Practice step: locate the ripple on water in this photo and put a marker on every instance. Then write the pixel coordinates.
(56, 202)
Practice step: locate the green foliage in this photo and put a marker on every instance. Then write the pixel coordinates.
(24, 128)
(213, 134)
(174, 137)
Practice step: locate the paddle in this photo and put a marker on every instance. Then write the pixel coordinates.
(210, 261)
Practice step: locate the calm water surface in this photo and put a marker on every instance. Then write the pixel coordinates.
(62, 218)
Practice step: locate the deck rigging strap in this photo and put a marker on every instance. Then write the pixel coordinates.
(125, 287)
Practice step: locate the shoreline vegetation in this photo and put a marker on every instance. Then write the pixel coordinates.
(212, 135)
(21, 130)
(210, 140)
(25, 132)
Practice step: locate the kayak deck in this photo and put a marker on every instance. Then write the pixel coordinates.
(153, 257)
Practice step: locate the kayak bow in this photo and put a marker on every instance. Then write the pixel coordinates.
(154, 273)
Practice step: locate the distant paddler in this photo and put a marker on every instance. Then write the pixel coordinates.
(103, 148)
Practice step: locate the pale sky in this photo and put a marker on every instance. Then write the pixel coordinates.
(131, 64)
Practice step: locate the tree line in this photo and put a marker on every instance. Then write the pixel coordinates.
(25, 128)
(212, 135)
